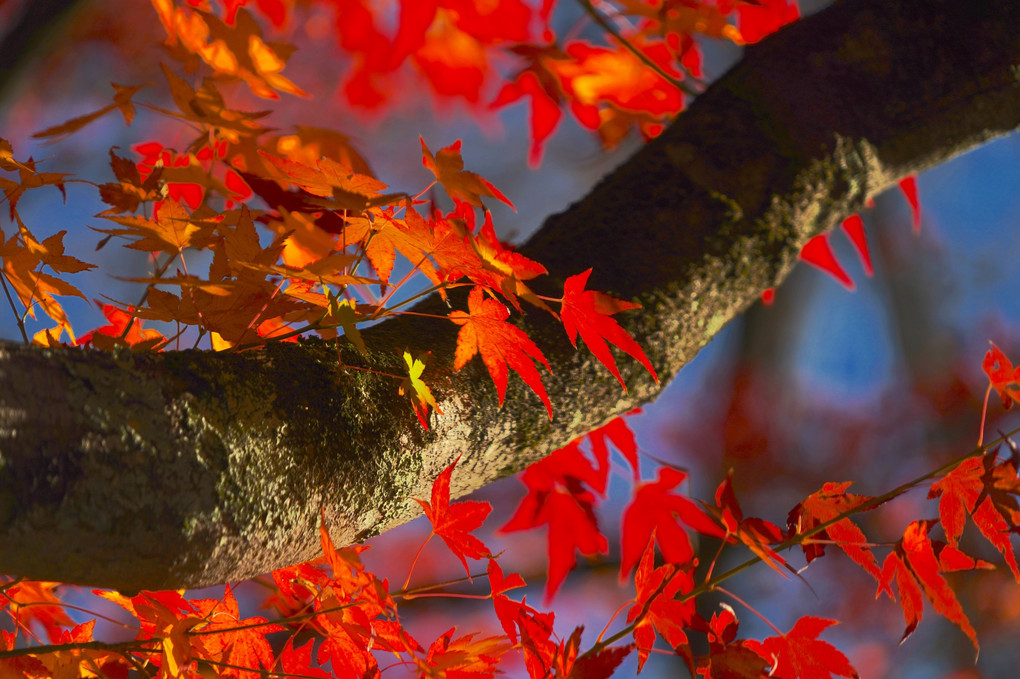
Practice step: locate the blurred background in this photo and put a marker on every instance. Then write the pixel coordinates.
(875, 386)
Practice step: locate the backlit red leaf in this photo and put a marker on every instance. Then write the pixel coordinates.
(986, 492)
(908, 185)
(588, 313)
(656, 508)
(823, 506)
(454, 523)
(562, 492)
(656, 608)
(917, 565)
(800, 654)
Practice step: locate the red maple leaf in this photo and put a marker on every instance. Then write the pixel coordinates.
(908, 185)
(242, 642)
(818, 253)
(505, 607)
(799, 654)
(562, 492)
(588, 313)
(986, 492)
(656, 608)
(823, 506)
(756, 534)
(1002, 376)
(298, 661)
(729, 657)
(762, 17)
(655, 508)
(454, 523)
(484, 331)
(619, 434)
(917, 565)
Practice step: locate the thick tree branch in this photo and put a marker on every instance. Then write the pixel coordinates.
(192, 468)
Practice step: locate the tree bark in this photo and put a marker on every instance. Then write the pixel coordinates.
(186, 469)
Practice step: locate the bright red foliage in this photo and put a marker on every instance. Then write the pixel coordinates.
(917, 565)
(588, 313)
(825, 506)
(985, 491)
(454, 523)
(656, 509)
(561, 494)
(656, 608)
(799, 654)
(326, 216)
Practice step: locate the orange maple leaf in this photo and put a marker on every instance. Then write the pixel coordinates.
(462, 185)
(484, 331)
(32, 601)
(588, 313)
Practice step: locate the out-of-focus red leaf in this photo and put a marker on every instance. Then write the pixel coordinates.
(818, 253)
(656, 508)
(909, 187)
(561, 494)
(620, 435)
(853, 226)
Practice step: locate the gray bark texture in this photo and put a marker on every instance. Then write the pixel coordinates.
(186, 469)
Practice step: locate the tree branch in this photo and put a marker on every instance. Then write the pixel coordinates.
(193, 468)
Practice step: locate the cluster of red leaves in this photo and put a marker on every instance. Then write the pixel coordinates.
(328, 219)
(462, 50)
(354, 615)
(818, 251)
